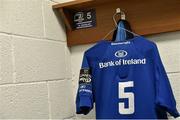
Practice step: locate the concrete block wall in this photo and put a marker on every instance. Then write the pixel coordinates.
(168, 45)
(35, 70)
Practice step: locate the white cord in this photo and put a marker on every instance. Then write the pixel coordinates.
(128, 31)
(109, 33)
(120, 28)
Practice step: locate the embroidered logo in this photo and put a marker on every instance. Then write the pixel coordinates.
(120, 53)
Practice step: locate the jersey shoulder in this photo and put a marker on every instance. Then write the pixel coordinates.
(97, 50)
(145, 46)
(145, 43)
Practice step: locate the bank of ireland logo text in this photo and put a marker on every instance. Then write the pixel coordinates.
(120, 53)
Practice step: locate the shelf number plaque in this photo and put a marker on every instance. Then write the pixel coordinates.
(84, 19)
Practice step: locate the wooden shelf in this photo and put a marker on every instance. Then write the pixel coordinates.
(145, 16)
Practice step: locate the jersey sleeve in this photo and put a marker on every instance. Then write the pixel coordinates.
(164, 94)
(84, 98)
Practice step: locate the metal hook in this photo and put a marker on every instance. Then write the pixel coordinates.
(118, 11)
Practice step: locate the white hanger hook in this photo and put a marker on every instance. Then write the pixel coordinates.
(118, 11)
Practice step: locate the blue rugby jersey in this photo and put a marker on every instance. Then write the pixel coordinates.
(125, 79)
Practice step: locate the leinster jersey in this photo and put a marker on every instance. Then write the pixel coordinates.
(125, 80)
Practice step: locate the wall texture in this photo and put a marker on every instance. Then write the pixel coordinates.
(35, 71)
(168, 44)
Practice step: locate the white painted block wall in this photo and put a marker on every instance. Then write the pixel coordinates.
(35, 71)
(169, 48)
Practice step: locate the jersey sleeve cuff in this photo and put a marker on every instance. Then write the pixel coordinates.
(85, 105)
(174, 113)
(85, 101)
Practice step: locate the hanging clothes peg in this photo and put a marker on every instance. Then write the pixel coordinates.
(120, 34)
(129, 34)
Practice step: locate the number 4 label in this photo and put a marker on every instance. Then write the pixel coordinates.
(128, 95)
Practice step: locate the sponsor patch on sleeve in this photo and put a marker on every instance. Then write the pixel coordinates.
(85, 76)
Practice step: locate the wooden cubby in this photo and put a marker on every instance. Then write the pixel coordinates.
(145, 17)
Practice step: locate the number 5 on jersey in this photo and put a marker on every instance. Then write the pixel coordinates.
(128, 95)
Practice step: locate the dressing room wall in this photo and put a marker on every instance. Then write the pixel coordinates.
(39, 74)
(35, 75)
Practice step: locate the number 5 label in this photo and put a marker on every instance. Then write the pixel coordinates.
(128, 95)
